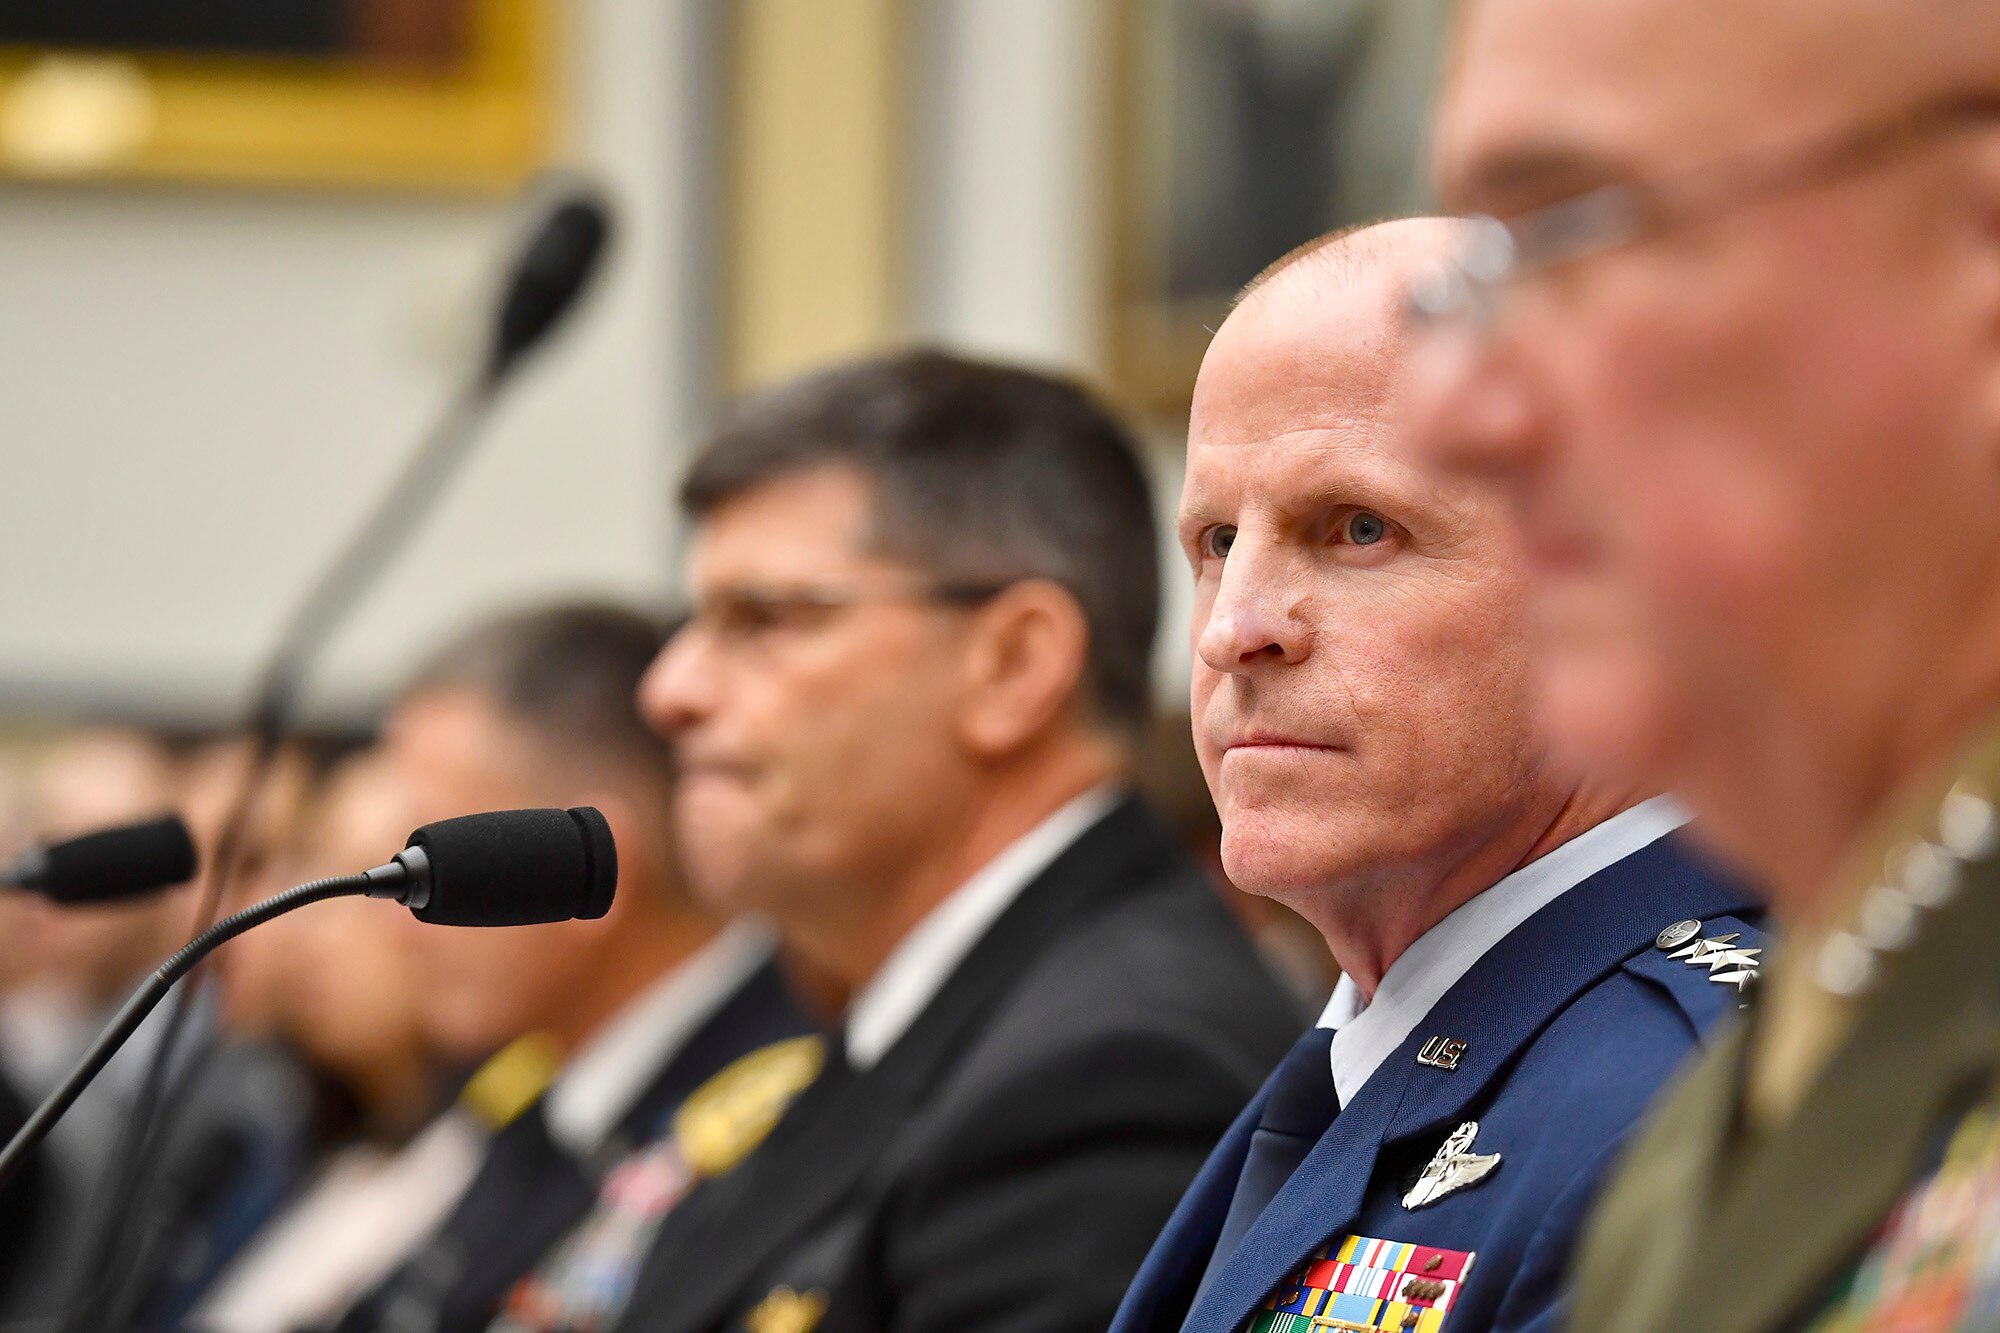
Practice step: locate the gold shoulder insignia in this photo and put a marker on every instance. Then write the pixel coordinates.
(508, 1083)
(785, 1311)
(726, 1117)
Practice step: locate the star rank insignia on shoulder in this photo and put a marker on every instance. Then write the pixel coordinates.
(1727, 965)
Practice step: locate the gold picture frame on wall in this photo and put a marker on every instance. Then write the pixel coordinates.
(397, 94)
(1243, 128)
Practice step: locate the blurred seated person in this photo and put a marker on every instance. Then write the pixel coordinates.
(232, 1132)
(20, 1199)
(339, 983)
(907, 705)
(82, 963)
(639, 1009)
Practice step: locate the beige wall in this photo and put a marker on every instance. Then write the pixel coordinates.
(201, 390)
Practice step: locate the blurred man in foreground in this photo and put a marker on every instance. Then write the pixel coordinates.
(925, 594)
(636, 1010)
(1510, 996)
(1742, 307)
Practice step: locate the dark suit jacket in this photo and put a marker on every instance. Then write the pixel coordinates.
(1570, 1025)
(20, 1200)
(529, 1193)
(1007, 1162)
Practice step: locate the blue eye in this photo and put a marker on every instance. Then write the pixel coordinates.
(1365, 529)
(1217, 540)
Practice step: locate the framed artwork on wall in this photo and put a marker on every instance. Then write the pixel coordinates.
(424, 94)
(1244, 128)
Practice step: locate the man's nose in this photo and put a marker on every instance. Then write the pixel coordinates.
(1472, 408)
(1254, 620)
(678, 689)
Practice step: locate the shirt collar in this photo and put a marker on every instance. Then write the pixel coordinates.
(1367, 1032)
(919, 965)
(598, 1086)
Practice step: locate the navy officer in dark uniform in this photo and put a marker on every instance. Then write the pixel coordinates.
(1526, 955)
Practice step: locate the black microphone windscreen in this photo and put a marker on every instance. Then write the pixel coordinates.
(518, 867)
(118, 863)
(547, 279)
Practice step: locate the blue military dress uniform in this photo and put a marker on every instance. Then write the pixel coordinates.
(1448, 1196)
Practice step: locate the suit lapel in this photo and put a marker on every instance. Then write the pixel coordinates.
(732, 1229)
(1497, 1007)
(1166, 1281)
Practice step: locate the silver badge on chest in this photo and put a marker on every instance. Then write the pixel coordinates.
(1455, 1167)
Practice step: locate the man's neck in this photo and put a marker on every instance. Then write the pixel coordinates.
(1009, 807)
(1369, 927)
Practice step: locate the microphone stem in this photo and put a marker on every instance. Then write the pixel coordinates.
(354, 569)
(417, 487)
(147, 998)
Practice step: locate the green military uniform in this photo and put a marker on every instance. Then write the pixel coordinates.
(1833, 1163)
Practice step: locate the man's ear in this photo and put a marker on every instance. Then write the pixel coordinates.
(1027, 653)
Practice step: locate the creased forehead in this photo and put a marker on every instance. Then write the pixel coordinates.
(1307, 371)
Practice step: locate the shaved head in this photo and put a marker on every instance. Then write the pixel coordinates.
(1381, 250)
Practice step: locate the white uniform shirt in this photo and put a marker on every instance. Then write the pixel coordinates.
(1367, 1032)
(920, 964)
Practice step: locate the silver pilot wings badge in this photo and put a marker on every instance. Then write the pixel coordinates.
(1453, 1168)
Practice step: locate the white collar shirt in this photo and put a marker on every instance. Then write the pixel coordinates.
(598, 1085)
(1365, 1032)
(916, 970)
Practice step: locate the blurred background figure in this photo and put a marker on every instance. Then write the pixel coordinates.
(908, 702)
(626, 1015)
(68, 970)
(341, 986)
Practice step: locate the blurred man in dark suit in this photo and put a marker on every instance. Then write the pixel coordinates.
(636, 1011)
(20, 1200)
(1729, 339)
(925, 594)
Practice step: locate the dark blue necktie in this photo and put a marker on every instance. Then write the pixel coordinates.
(1302, 1105)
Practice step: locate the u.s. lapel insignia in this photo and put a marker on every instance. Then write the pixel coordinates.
(1358, 1284)
(1442, 1052)
(1455, 1167)
(786, 1311)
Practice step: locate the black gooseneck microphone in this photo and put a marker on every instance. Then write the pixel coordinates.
(506, 868)
(549, 275)
(107, 865)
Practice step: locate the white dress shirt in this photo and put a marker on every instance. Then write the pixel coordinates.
(920, 964)
(598, 1085)
(1367, 1032)
(363, 1213)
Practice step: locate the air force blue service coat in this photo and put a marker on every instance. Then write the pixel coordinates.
(1447, 1197)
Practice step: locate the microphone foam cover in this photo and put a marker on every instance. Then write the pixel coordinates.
(119, 863)
(549, 275)
(518, 867)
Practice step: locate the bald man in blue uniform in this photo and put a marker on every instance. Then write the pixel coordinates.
(1526, 956)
